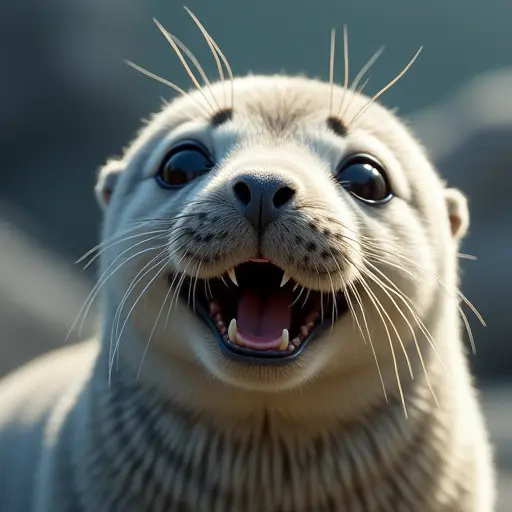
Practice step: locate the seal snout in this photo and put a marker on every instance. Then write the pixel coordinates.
(263, 197)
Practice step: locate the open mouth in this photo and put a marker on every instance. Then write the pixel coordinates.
(258, 313)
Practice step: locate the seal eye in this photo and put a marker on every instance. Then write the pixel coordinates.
(183, 164)
(365, 179)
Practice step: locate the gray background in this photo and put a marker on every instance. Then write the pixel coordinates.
(67, 102)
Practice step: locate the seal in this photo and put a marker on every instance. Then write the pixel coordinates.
(280, 320)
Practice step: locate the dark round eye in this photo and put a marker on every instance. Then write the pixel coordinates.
(365, 179)
(183, 164)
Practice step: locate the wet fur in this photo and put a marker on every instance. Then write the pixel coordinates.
(153, 417)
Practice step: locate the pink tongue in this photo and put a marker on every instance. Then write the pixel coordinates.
(260, 323)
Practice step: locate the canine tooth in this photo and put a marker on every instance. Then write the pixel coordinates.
(232, 276)
(285, 279)
(232, 330)
(238, 340)
(285, 337)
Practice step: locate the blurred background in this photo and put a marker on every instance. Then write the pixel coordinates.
(68, 101)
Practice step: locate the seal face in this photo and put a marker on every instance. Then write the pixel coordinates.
(252, 309)
(280, 232)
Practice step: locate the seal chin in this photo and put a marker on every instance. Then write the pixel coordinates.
(259, 314)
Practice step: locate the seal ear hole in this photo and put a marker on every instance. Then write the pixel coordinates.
(458, 213)
(107, 180)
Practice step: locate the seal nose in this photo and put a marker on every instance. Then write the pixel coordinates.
(262, 198)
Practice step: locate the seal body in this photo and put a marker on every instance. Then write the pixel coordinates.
(187, 401)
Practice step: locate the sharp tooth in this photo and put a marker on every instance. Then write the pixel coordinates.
(232, 276)
(284, 340)
(285, 279)
(232, 330)
(239, 340)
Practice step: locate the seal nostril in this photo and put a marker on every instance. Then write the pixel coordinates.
(283, 196)
(242, 192)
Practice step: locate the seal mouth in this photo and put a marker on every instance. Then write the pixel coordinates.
(259, 313)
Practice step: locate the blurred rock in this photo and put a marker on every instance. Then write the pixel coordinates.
(40, 295)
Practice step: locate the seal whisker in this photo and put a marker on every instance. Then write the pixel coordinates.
(298, 296)
(354, 290)
(211, 40)
(140, 275)
(116, 320)
(359, 77)
(154, 327)
(334, 301)
(135, 281)
(184, 62)
(399, 338)
(116, 348)
(99, 284)
(103, 280)
(345, 60)
(370, 242)
(160, 232)
(175, 275)
(378, 307)
(385, 88)
(184, 48)
(410, 306)
(383, 287)
(195, 286)
(347, 290)
(331, 69)
(110, 238)
(170, 84)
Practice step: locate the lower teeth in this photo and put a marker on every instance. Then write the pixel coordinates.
(231, 336)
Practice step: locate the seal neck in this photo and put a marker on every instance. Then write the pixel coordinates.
(140, 450)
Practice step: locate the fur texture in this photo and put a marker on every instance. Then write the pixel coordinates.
(153, 416)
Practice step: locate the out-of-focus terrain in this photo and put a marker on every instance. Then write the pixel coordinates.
(67, 102)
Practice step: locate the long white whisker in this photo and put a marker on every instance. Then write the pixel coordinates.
(385, 88)
(153, 279)
(92, 294)
(383, 287)
(331, 69)
(115, 322)
(184, 48)
(140, 69)
(345, 60)
(360, 75)
(183, 61)
(376, 304)
(154, 327)
(218, 50)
